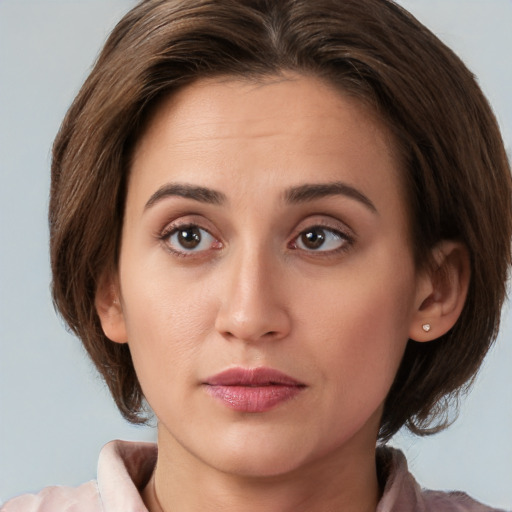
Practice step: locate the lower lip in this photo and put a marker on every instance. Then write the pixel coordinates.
(253, 398)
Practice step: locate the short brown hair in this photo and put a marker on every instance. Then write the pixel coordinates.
(456, 169)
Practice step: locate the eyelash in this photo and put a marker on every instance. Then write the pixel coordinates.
(347, 240)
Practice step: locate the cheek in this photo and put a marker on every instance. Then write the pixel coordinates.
(357, 324)
(166, 317)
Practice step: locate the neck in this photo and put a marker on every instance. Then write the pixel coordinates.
(344, 481)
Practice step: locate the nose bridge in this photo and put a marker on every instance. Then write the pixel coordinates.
(253, 306)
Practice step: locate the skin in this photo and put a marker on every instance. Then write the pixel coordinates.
(255, 292)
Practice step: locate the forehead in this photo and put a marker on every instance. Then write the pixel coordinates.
(227, 106)
(279, 132)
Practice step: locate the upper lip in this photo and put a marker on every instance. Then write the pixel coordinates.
(252, 377)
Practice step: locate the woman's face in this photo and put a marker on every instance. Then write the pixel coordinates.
(265, 229)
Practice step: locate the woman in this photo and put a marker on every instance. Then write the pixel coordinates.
(282, 225)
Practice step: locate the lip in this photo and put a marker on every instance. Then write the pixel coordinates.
(252, 389)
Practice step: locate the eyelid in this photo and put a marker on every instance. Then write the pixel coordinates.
(325, 222)
(183, 220)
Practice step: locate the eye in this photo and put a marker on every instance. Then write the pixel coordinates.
(321, 239)
(190, 238)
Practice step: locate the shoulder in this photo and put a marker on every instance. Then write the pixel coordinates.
(402, 492)
(124, 468)
(453, 502)
(84, 498)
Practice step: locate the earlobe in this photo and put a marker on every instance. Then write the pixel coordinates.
(442, 292)
(110, 310)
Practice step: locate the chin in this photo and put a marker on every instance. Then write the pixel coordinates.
(260, 453)
(260, 465)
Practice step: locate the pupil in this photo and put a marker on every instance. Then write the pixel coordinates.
(189, 238)
(314, 238)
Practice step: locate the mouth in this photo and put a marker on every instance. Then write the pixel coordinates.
(252, 389)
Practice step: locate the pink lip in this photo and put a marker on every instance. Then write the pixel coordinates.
(252, 390)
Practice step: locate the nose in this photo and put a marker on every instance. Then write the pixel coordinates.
(253, 307)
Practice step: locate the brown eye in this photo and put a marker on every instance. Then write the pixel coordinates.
(189, 238)
(313, 238)
(321, 239)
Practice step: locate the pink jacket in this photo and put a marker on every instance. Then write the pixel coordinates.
(125, 467)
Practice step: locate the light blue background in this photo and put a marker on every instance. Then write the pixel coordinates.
(55, 413)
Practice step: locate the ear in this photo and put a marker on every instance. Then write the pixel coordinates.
(110, 310)
(441, 292)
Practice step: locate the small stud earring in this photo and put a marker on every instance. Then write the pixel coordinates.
(426, 327)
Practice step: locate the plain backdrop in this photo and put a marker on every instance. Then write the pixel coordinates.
(55, 413)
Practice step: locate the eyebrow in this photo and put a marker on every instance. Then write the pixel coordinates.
(294, 195)
(310, 192)
(201, 194)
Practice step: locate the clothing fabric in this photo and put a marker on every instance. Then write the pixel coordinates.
(124, 468)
